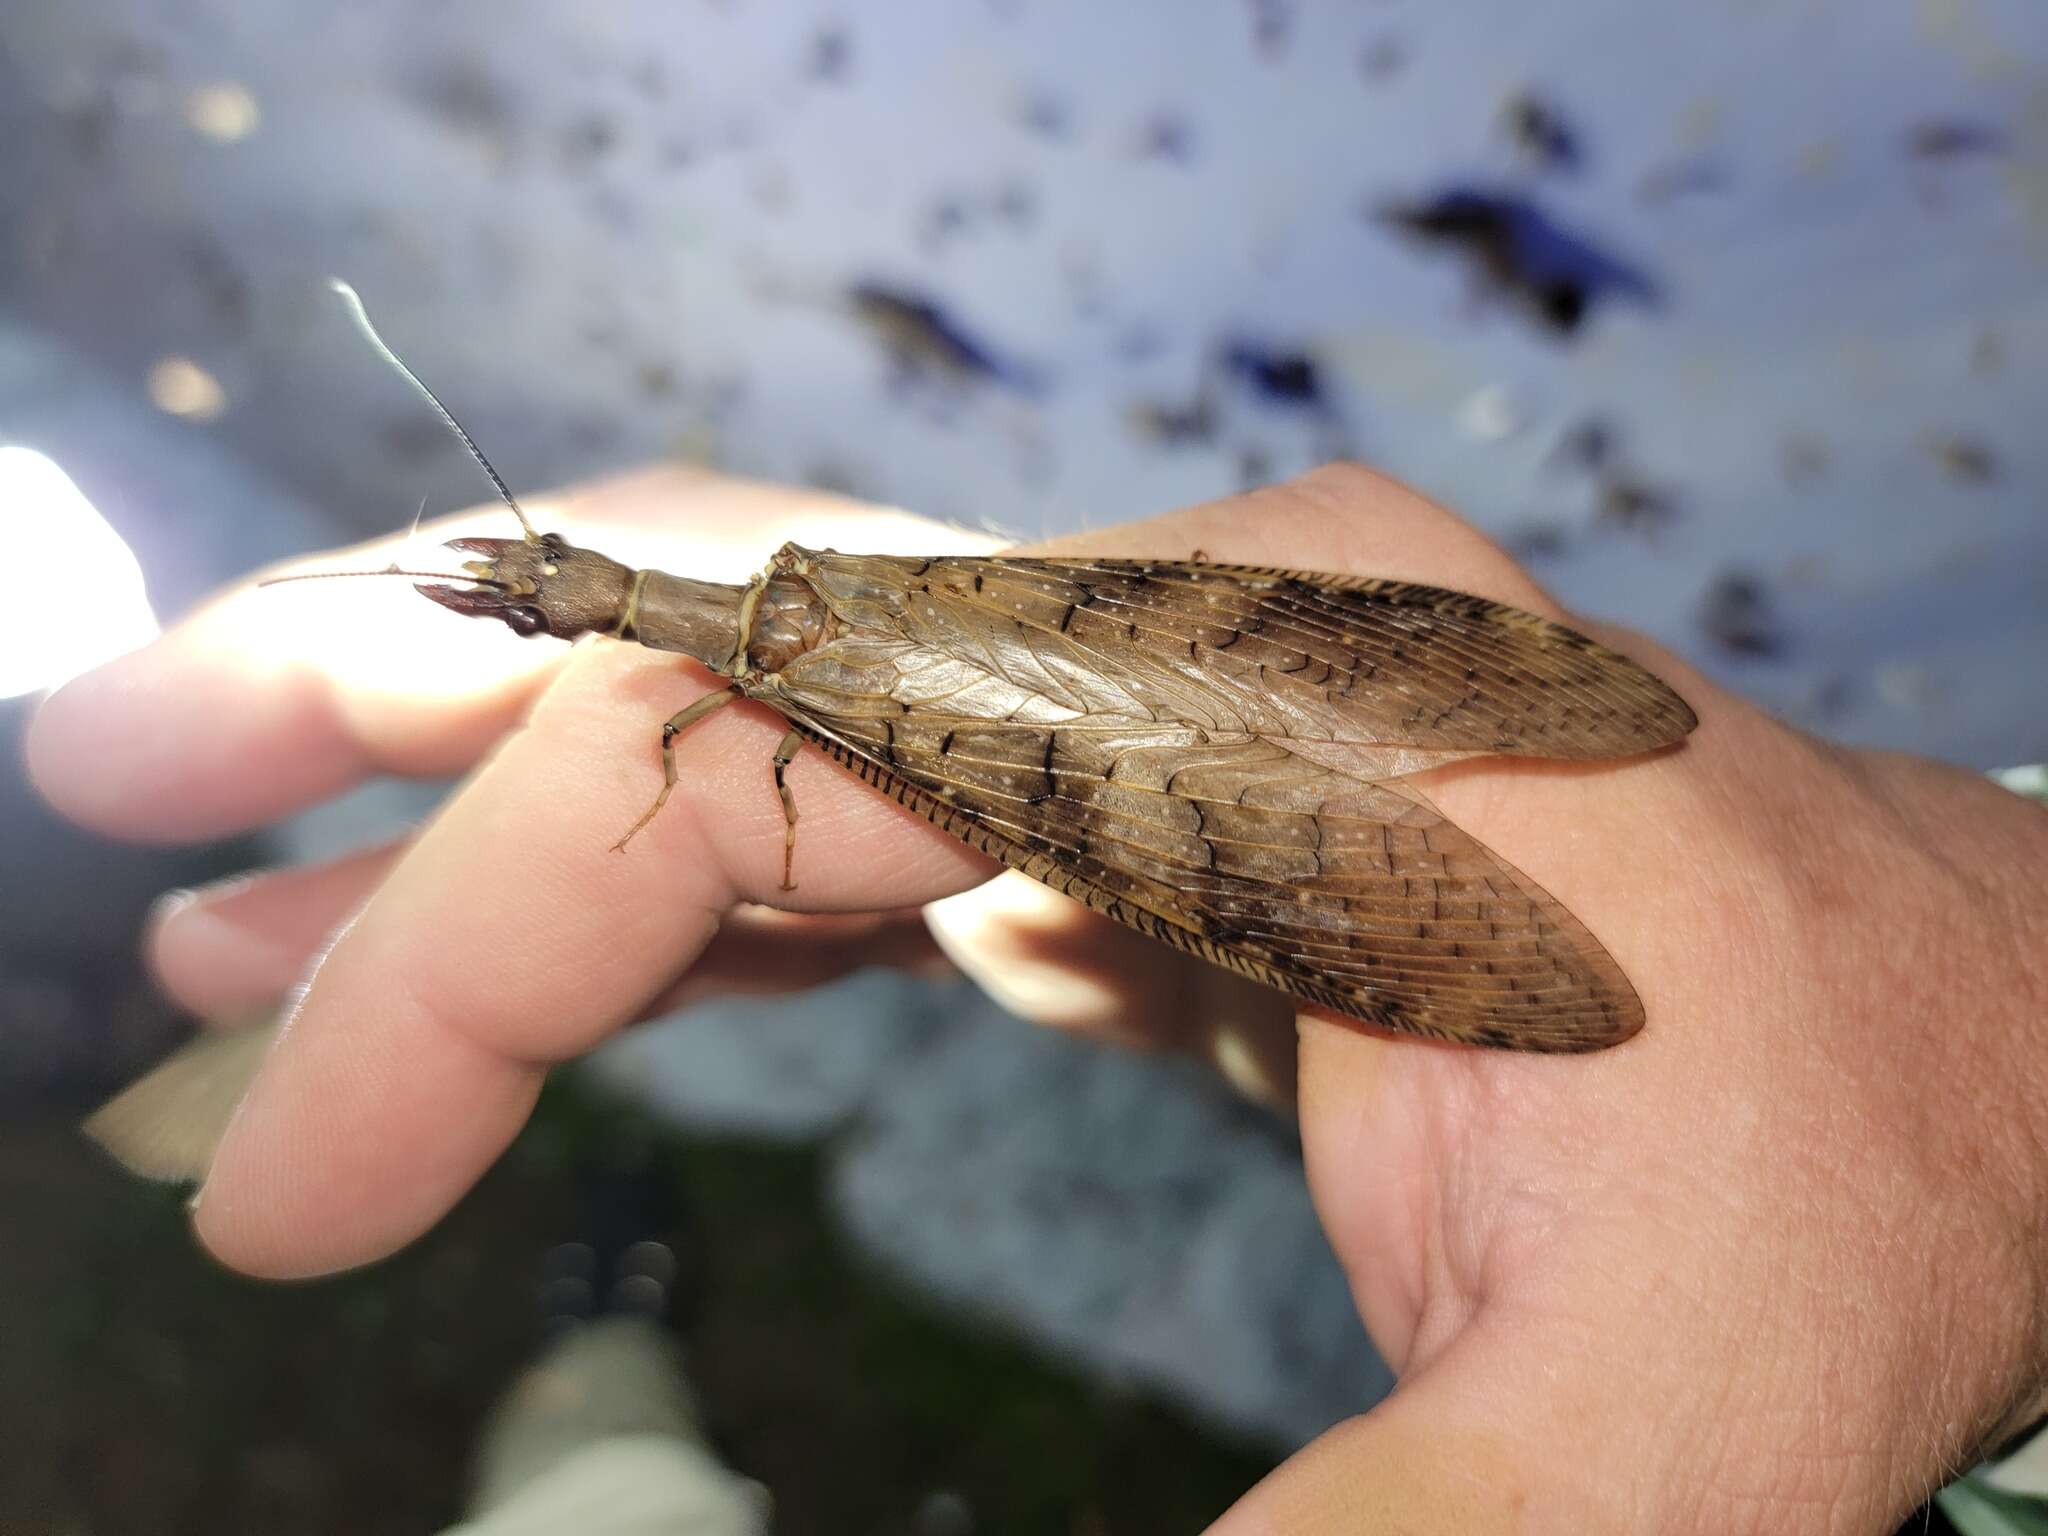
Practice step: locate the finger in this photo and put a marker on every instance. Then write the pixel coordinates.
(234, 948)
(267, 701)
(508, 937)
(1052, 961)
(228, 950)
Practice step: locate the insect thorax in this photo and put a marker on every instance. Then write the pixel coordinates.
(788, 619)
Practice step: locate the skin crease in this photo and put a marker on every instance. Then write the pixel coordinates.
(1774, 1265)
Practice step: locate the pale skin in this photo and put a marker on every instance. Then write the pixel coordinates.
(1775, 1265)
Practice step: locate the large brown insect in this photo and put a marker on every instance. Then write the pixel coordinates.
(1214, 755)
(1211, 754)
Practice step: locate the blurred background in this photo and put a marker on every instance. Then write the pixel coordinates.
(1731, 319)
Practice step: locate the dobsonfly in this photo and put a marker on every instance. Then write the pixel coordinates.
(1213, 755)
(1209, 754)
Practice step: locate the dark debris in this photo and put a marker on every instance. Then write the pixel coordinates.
(1272, 25)
(1280, 376)
(221, 282)
(830, 55)
(88, 122)
(1633, 504)
(1953, 138)
(1556, 277)
(1587, 445)
(946, 216)
(1541, 133)
(1168, 136)
(1382, 58)
(953, 213)
(1964, 459)
(1177, 424)
(1046, 114)
(585, 141)
(1016, 203)
(469, 101)
(1738, 615)
(927, 344)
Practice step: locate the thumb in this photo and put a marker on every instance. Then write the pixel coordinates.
(1050, 960)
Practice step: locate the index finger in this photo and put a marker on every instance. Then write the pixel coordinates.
(510, 937)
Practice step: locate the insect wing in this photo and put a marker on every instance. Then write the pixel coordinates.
(1089, 724)
(168, 1124)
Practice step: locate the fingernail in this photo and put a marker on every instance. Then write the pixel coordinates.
(173, 904)
(169, 905)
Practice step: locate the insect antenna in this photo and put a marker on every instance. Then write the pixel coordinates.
(392, 569)
(361, 316)
(389, 570)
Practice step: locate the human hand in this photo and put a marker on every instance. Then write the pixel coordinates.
(1774, 1264)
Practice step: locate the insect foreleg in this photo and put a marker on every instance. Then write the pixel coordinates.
(681, 721)
(784, 756)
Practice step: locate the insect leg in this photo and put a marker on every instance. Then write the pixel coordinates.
(681, 721)
(784, 756)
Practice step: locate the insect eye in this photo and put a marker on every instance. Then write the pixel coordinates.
(525, 621)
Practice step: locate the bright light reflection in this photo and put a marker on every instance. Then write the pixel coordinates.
(76, 599)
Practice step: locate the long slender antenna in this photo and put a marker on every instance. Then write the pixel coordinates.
(361, 315)
(389, 570)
